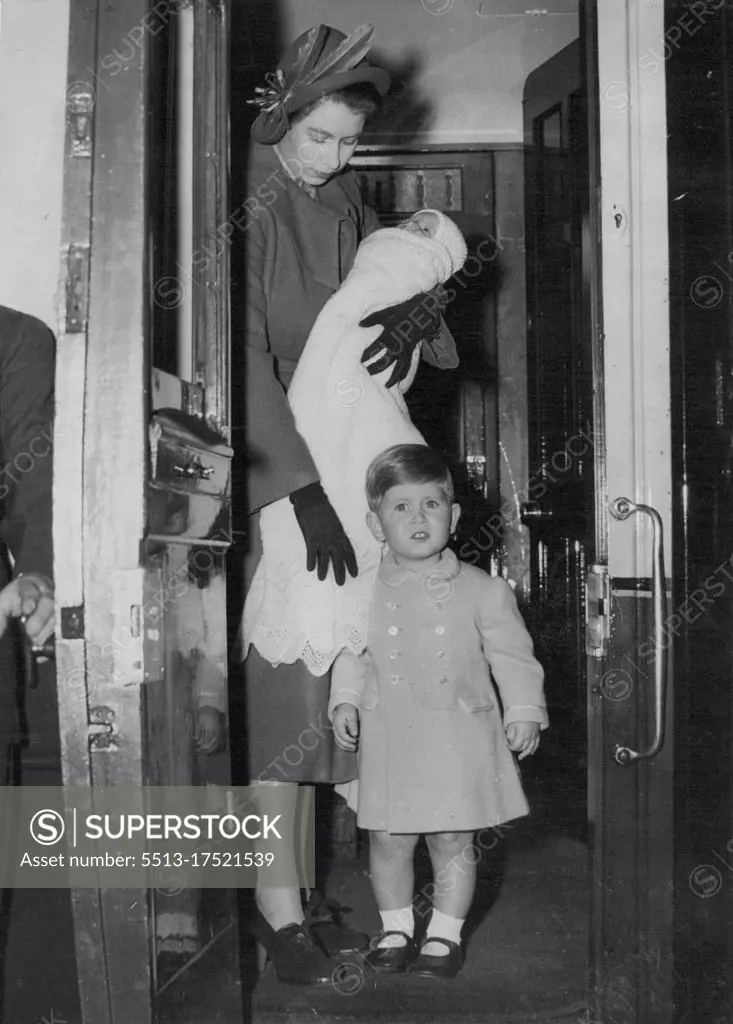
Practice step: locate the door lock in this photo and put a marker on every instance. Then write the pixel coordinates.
(597, 612)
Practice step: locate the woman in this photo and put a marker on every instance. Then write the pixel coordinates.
(306, 219)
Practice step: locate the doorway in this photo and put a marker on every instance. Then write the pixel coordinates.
(528, 931)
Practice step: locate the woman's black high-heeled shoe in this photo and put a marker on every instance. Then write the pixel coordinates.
(324, 919)
(295, 955)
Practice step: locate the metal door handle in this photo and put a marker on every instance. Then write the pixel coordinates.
(194, 470)
(621, 509)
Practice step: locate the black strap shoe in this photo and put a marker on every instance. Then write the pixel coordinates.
(296, 956)
(447, 966)
(390, 959)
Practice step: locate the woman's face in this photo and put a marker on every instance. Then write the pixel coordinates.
(323, 142)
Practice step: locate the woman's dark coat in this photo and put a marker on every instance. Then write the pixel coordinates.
(26, 415)
(299, 250)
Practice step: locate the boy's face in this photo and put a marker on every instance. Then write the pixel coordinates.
(415, 520)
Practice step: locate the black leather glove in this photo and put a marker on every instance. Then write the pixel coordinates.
(325, 538)
(405, 325)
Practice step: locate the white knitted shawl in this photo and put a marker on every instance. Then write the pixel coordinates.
(346, 418)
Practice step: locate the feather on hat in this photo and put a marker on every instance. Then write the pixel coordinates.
(319, 62)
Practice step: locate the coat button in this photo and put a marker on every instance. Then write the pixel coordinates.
(439, 606)
(440, 630)
(443, 680)
(393, 630)
(440, 654)
(394, 654)
(392, 606)
(394, 679)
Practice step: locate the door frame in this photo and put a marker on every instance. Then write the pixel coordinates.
(108, 648)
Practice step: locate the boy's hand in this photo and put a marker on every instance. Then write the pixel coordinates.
(346, 726)
(523, 738)
(209, 729)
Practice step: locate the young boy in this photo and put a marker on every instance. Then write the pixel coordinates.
(435, 756)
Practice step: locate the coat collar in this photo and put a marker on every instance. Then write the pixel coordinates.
(324, 230)
(434, 577)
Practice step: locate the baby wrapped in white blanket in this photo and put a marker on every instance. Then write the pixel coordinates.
(346, 417)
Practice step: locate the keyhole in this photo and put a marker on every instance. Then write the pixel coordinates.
(618, 218)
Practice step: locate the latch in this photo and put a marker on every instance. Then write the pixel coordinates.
(597, 611)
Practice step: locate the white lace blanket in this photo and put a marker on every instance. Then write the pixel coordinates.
(346, 417)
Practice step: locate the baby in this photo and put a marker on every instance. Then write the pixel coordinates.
(346, 415)
(425, 222)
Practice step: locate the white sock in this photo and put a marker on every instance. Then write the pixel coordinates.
(444, 927)
(397, 921)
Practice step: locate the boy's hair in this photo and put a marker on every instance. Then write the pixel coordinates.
(406, 464)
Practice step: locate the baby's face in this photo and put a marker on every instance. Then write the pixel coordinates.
(423, 222)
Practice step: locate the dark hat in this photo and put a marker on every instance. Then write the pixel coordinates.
(321, 61)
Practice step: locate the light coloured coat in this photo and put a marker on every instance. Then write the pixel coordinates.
(433, 754)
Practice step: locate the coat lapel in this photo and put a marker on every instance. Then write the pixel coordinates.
(318, 227)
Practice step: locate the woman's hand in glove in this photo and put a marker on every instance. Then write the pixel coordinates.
(325, 538)
(404, 327)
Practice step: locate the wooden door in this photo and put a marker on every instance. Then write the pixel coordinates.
(142, 494)
(599, 344)
(631, 713)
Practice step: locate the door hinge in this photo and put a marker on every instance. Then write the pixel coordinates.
(77, 289)
(101, 727)
(80, 106)
(597, 611)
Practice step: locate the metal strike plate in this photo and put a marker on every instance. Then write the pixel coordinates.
(123, 652)
(153, 625)
(77, 289)
(598, 612)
